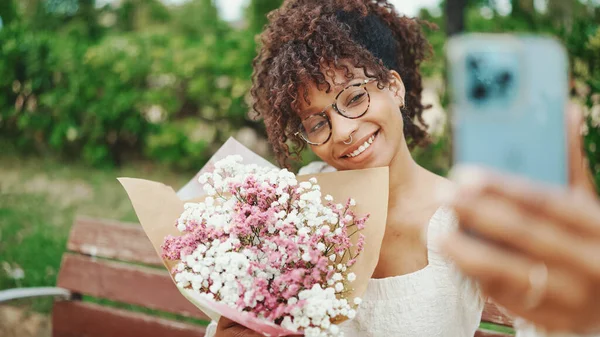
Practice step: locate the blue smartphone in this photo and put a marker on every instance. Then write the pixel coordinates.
(508, 97)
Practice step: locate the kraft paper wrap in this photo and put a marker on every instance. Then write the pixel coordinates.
(158, 207)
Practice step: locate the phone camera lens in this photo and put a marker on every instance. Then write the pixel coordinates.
(479, 92)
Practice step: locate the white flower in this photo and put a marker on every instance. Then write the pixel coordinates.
(351, 277)
(334, 329)
(339, 287)
(209, 190)
(305, 185)
(357, 300)
(332, 257)
(287, 323)
(306, 257)
(352, 202)
(321, 246)
(337, 277)
(203, 178)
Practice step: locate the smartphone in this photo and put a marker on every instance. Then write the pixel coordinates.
(508, 97)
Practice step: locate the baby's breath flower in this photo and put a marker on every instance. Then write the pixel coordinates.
(255, 237)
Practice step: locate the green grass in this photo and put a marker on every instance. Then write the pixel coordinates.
(39, 199)
(497, 328)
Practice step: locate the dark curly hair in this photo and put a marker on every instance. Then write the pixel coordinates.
(308, 41)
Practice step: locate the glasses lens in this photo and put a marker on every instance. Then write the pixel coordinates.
(316, 129)
(353, 101)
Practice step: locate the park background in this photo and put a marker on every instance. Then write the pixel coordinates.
(92, 90)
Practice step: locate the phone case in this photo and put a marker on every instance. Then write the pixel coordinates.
(508, 97)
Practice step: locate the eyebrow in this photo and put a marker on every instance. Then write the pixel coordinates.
(338, 88)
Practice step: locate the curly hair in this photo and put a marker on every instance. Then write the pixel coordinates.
(308, 41)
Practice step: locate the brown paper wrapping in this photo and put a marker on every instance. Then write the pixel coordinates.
(158, 207)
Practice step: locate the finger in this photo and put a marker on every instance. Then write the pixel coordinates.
(547, 315)
(580, 212)
(501, 221)
(229, 328)
(490, 264)
(579, 172)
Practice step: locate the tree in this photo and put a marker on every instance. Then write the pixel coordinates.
(8, 12)
(257, 11)
(455, 16)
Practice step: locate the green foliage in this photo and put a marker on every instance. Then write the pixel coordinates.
(576, 23)
(167, 83)
(170, 83)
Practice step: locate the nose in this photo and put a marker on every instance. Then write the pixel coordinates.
(342, 128)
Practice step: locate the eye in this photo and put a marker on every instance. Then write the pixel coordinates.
(318, 126)
(357, 98)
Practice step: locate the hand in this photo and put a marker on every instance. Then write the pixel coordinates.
(544, 261)
(229, 328)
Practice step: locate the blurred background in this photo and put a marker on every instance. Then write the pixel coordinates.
(95, 89)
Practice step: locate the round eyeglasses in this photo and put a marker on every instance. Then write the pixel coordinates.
(352, 102)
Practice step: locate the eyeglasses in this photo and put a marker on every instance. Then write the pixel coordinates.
(352, 102)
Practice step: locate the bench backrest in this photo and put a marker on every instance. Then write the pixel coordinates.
(115, 261)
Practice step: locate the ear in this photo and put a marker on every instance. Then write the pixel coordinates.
(397, 87)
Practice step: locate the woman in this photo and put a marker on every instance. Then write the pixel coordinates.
(342, 77)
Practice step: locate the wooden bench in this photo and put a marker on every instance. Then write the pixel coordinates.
(115, 261)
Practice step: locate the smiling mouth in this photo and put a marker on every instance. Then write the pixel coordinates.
(363, 147)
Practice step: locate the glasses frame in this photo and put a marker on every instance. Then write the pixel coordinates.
(335, 107)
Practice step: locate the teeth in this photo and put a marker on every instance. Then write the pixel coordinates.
(363, 147)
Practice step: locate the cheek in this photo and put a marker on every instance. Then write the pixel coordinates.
(322, 151)
(387, 113)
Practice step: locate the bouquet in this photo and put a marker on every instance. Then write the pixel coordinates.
(263, 247)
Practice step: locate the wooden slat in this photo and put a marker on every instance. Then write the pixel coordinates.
(78, 319)
(486, 333)
(112, 239)
(121, 282)
(492, 314)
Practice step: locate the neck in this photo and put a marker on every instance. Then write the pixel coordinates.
(404, 177)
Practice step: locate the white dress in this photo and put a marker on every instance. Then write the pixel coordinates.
(436, 301)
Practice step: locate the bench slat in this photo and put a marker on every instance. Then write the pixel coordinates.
(492, 314)
(112, 239)
(76, 319)
(121, 282)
